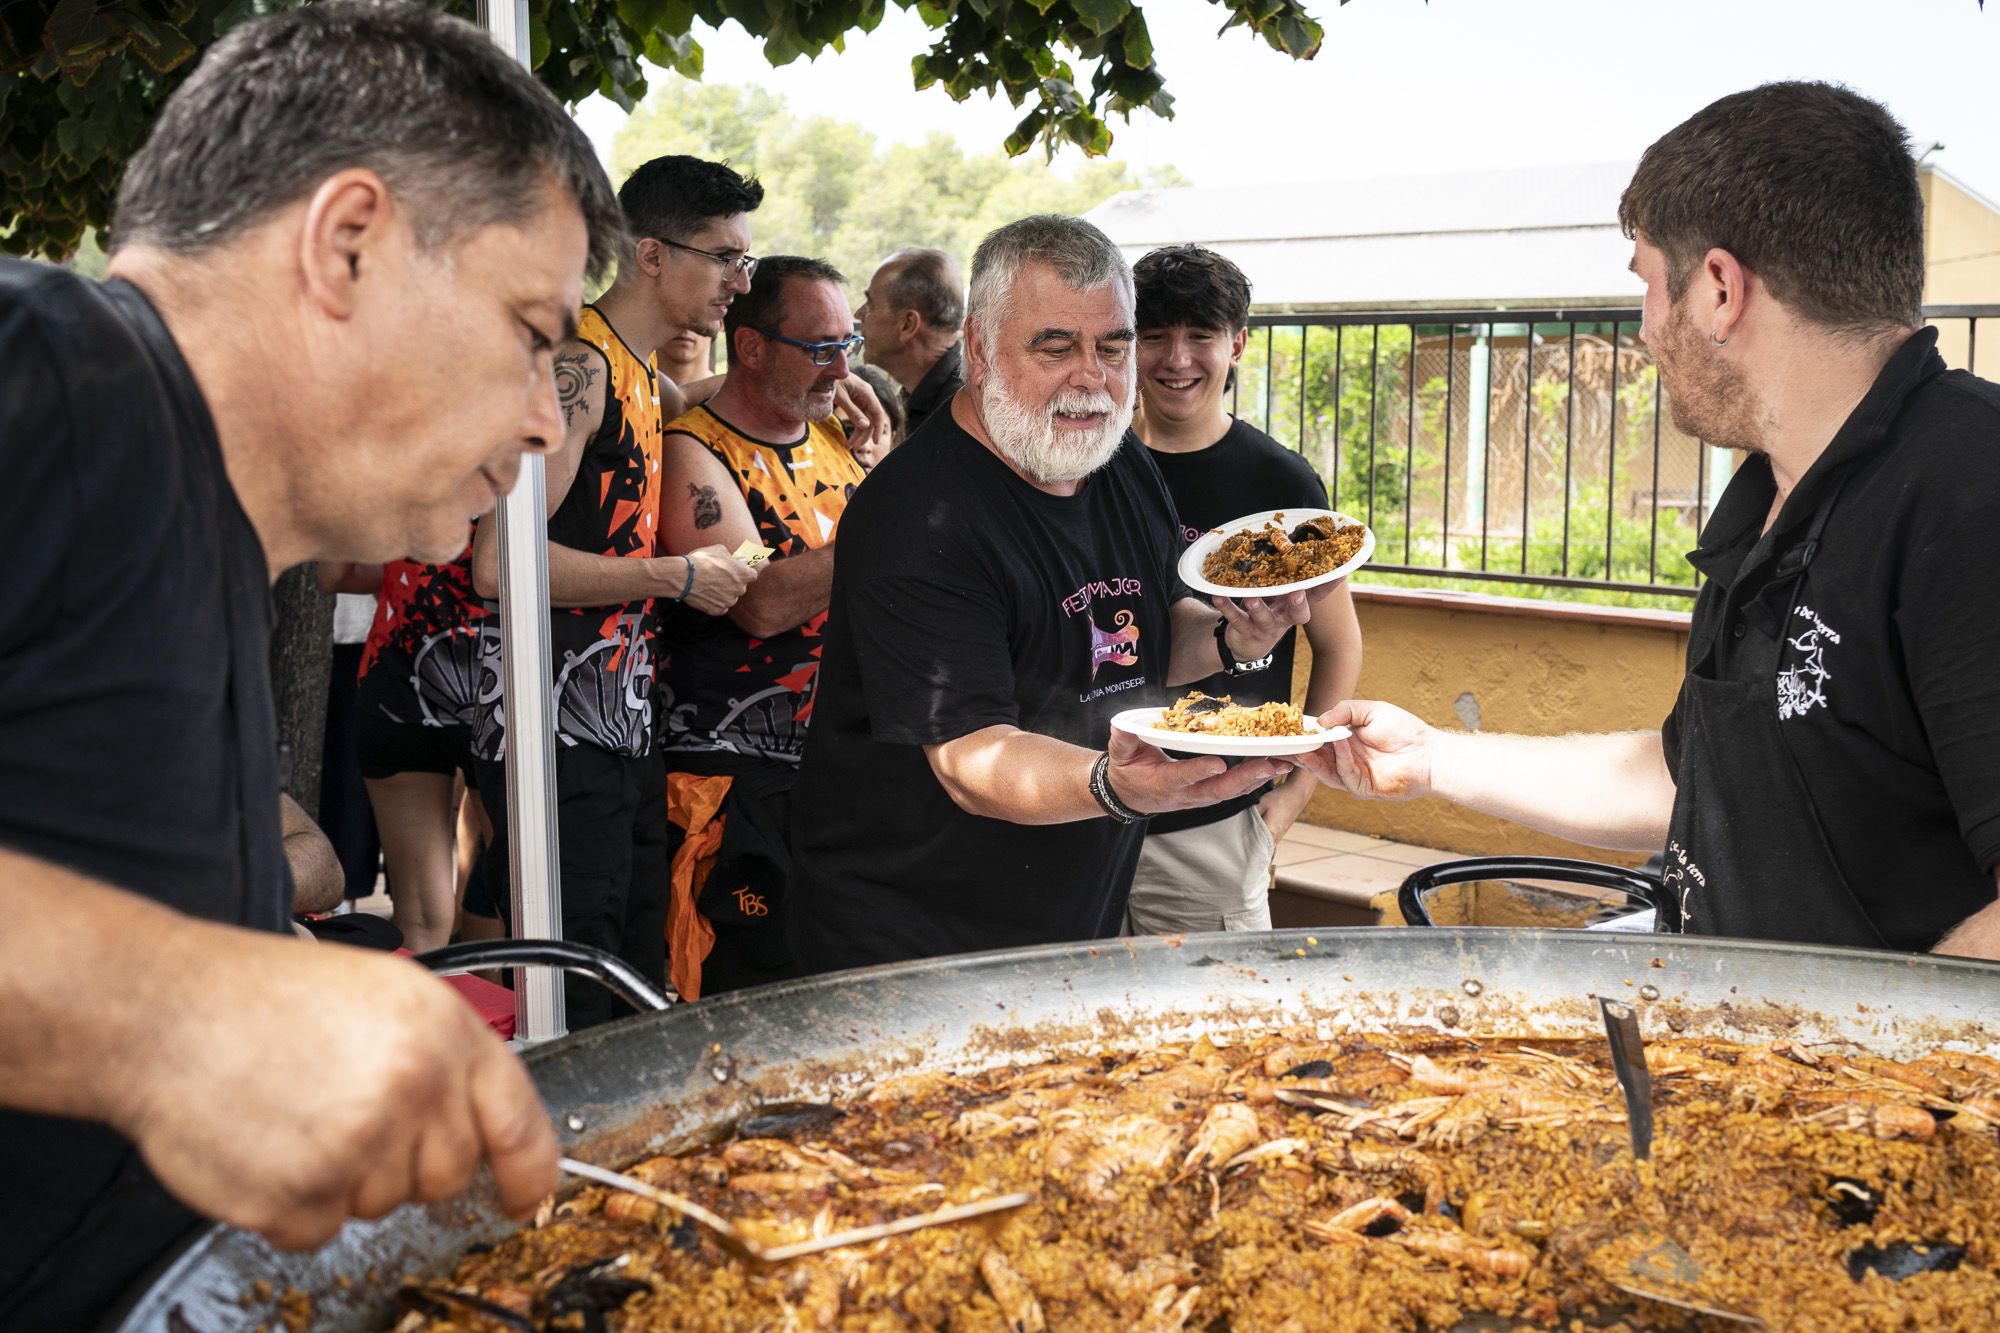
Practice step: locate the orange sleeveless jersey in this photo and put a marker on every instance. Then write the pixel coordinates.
(723, 689)
(603, 654)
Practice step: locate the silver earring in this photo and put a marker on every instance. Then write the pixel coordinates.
(1719, 342)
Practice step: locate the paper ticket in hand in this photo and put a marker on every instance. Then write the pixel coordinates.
(751, 554)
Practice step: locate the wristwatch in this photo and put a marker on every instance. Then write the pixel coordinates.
(1230, 666)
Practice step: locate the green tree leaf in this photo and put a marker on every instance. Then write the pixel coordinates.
(1101, 16)
(81, 80)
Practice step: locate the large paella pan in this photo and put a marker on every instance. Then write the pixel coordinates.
(1242, 1007)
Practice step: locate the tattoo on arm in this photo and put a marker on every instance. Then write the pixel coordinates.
(707, 509)
(574, 376)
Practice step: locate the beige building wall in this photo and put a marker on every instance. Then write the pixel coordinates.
(1962, 265)
(1466, 661)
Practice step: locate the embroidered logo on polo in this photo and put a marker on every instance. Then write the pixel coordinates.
(1802, 687)
(1680, 877)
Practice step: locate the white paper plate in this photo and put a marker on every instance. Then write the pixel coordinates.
(1143, 723)
(1197, 552)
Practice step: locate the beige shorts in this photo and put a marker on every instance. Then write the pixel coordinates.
(1216, 877)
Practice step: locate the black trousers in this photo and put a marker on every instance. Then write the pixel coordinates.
(611, 817)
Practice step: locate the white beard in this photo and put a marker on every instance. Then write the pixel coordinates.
(1027, 437)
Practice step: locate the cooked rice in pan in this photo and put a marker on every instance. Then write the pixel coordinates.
(1301, 1180)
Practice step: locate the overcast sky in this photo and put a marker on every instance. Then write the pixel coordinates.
(1403, 87)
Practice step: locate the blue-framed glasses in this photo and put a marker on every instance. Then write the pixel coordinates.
(744, 264)
(822, 354)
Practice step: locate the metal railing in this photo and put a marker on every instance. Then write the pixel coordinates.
(1530, 447)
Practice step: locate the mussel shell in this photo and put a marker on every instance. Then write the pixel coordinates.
(783, 1120)
(1310, 532)
(1310, 1069)
(1243, 566)
(1904, 1259)
(589, 1292)
(1204, 705)
(1263, 546)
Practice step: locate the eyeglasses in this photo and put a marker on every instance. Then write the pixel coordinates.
(744, 264)
(822, 354)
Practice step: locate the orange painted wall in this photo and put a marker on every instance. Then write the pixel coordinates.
(1505, 665)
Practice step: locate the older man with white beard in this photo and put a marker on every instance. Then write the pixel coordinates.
(1006, 583)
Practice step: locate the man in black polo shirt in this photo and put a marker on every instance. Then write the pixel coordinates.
(342, 262)
(912, 318)
(1829, 772)
(1005, 584)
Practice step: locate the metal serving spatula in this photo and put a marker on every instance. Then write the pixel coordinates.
(1658, 1269)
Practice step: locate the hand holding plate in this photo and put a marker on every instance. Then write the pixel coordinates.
(1257, 623)
(1151, 783)
(1389, 755)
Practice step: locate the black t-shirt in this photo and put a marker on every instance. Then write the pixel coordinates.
(1888, 683)
(937, 388)
(964, 598)
(1244, 472)
(137, 740)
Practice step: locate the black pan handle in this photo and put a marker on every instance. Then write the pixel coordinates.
(1596, 874)
(607, 970)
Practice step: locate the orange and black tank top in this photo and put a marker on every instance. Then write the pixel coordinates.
(603, 655)
(720, 688)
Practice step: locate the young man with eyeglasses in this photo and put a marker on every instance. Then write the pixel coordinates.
(765, 462)
(608, 573)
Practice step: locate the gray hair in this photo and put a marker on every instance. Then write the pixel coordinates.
(929, 283)
(1082, 256)
(462, 135)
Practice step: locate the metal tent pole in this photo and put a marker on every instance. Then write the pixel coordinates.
(526, 697)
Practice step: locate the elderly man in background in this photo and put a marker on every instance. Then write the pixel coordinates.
(1828, 772)
(912, 319)
(761, 463)
(1003, 589)
(342, 264)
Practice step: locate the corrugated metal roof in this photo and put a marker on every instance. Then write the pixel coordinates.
(1535, 236)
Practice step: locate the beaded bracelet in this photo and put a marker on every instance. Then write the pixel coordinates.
(1107, 799)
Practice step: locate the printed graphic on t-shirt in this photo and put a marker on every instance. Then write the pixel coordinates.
(1117, 645)
(1802, 687)
(1121, 646)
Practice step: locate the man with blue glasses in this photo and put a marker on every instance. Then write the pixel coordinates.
(763, 463)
